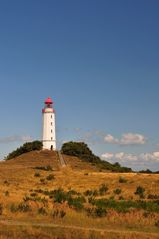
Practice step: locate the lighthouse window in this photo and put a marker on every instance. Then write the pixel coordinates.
(51, 123)
(51, 116)
(51, 138)
(51, 130)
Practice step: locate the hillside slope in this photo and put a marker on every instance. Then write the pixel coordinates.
(39, 195)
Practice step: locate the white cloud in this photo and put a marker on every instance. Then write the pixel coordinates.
(15, 138)
(126, 139)
(119, 156)
(156, 154)
(150, 156)
(107, 155)
(110, 139)
(126, 157)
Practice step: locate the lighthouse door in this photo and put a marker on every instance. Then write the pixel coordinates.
(51, 147)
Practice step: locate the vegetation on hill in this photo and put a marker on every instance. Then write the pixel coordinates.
(27, 147)
(148, 171)
(81, 150)
(42, 199)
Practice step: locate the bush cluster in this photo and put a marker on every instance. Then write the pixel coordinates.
(6, 193)
(42, 211)
(61, 196)
(58, 213)
(117, 191)
(50, 177)
(35, 198)
(124, 206)
(153, 196)
(140, 191)
(102, 191)
(22, 207)
(27, 147)
(122, 180)
(37, 174)
(91, 193)
(81, 150)
(74, 199)
(96, 212)
(45, 168)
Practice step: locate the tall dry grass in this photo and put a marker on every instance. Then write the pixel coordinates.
(17, 178)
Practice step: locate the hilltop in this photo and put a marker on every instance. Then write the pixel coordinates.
(41, 199)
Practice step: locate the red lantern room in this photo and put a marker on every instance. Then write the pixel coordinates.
(48, 101)
(48, 104)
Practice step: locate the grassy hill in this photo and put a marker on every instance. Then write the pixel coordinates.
(41, 199)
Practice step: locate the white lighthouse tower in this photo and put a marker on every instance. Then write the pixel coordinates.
(49, 133)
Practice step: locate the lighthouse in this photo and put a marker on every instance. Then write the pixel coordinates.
(49, 132)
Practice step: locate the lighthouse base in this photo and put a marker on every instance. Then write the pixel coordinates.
(50, 145)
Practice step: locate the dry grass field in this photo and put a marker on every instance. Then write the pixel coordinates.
(31, 208)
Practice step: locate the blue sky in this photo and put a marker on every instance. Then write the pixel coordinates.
(98, 60)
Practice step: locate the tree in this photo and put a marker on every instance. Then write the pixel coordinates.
(76, 149)
(81, 150)
(26, 147)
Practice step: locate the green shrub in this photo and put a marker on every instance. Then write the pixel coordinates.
(81, 150)
(153, 196)
(111, 198)
(42, 180)
(117, 191)
(100, 212)
(88, 193)
(23, 207)
(6, 193)
(75, 149)
(50, 177)
(42, 211)
(6, 182)
(76, 203)
(86, 174)
(140, 191)
(13, 208)
(26, 198)
(27, 147)
(41, 199)
(91, 193)
(35, 199)
(58, 213)
(103, 189)
(124, 206)
(33, 194)
(122, 180)
(96, 212)
(59, 196)
(121, 198)
(73, 192)
(38, 190)
(45, 168)
(95, 193)
(37, 174)
(91, 200)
